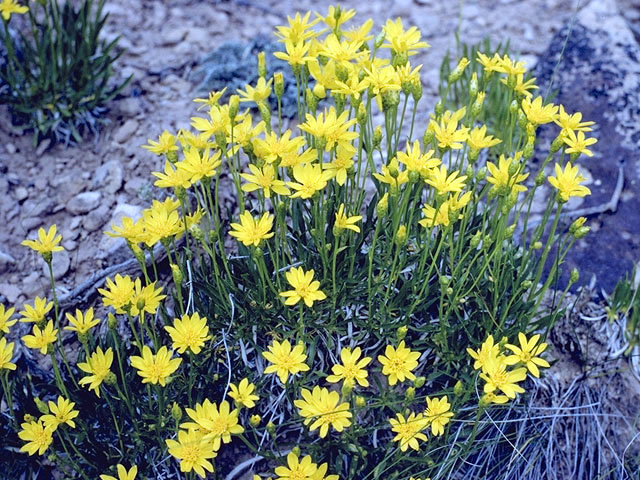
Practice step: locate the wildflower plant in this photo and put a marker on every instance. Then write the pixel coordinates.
(55, 76)
(374, 286)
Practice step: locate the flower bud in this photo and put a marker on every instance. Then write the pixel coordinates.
(459, 70)
(577, 223)
(347, 388)
(390, 100)
(112, 323)
(401, 236)
(522, 120)
(513, 107)
(458, 388)
(527, 151)
(410, 394)
(481, 174)
(399, 59)
(473, 85)
(362, 114)
(449, 291)
(427, 137)
(172, 156)
(196, 232)
(379, 40)
(110, 379)
(265, 113)
(176, 273)
(377, 136)
(319, 91)
(360, 401)
(557, 143)
(278, 84)
(29, 418)
(419, 382)
(254, 420)
(575, 276)
(527, 284)
(176, 412)
(439, 108)
(539, 178)
(475, 240)
(401, 332)
(476, 108)
(393, 171)
(537, 245)
(296, 451)
(469, 170)
(509, 230)
(234, 103)
(581, 232)
(445, 280)
(262, 64)
(221, 139)
(416, 90)
(383, 206)
(311, 99)
(42, 407)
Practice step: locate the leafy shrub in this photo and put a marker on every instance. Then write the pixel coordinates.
(55, 78)
(373, 300)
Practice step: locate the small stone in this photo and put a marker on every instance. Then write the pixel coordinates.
(39, 208)
(43, 147)
(199, 36)
(84, 203)
(135, 186)
(60, 265)
(75, 223)
(10, 148)
(130, 106)
(33, 284)
(96, 219)
(41, 183)
(126, 131)
(10, 292)
(5, 258)
(21, 194)
(173, 36)
(70, 245)
(31, 222)
(108, 177)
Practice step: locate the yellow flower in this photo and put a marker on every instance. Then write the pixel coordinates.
(402, 42)
(445, 182)
(359, 35)
(8, 7)
(438, 414)
(572, 122)
(408, 431)
(391, 174)
(5, 318)
(131, 230)
(38, 312)
(258, 94)
(528, 354)
(200, 164)
(310, 179)
(296, 469)
(448, 134)
(62, 412)
(343, 222)
(285, 360)
(155, 368)
(342, 163)
(189, 332)
(490, 64)
(212, 100)
(397, 363)
(478, 138)
(172, 177)
(296, 55)
(118, 293)
(6, 352)
(264, 179)
(336, 16)
(160, 224)
(274, 147)
(251, 231)
(41, 339)
(433, 217)
(47, 241)
(98, 366)
(503, 181)
(166, 143)
(193, 450)
(122, 473)
(243, 393)
(568, 181)
(487, 351)
(37, 435)
(299, 29)
(330, 129)
(578, 143)
(304, 287)
(521, 87)
(416, 161)
(538, 114)
(510, 67)
(352, 368)
(217, 424)
(342, 52)
(81, 323)
(145, 299)
(498, 378)
(324, 409)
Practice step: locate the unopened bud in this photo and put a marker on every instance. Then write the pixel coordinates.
(360, 401)
(419, 382)
(577, 223)
(265, 112)
(540, 178)
(271, 428)
(296, 451)
(416, 90)
(522, 120)
(234, 103)
(527, 151)
(439, 108)
(311, 99)
(557, 143)
(410, 394)
(278, 84)
(527, 284)
(537, 245)
(262, 64)
(112, 323)
(427, 137)
(176, 273)
(475, 240)
(473, 85)
(383, 206)
(390, 100)
(377, 136)
(575, 276)
(481, 174)
(459, 70)
(458, 388)
(513, 107)
(42, 407)
(581, 232)
(347, 388)
(509, 230)
(449, 291)
(379, 40)
(362, 114)
(476, 108)
(254, 420)
(401, 332)
(401, 236)
(319, 91)
(176, 412)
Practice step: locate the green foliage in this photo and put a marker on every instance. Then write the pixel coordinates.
(55, 78)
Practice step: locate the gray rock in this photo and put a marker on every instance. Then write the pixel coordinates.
(38, 208)
(597, 72)
(84, 203)
(30, 223)
(173, 36)
(96, 219)
(130, 106)
(10, 292)
(108, 177)
(40, 183)
(43, 147)
(60, 265)
(70, 245)
(10, 148)
(21, 194)
(6, 258)
(126, 131)
(33, 285)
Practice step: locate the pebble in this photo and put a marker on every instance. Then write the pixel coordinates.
(41, 183)
(31, 222)
(70, 245)
(38, 208)
(96, 219)
(84, 203)
(126, 131)
(10, 292)
(173, 36)
(43, 147)
(108, 177)
(10, 148)
(32, 284)
(60, 265)
(5, 258)
(21, 194)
